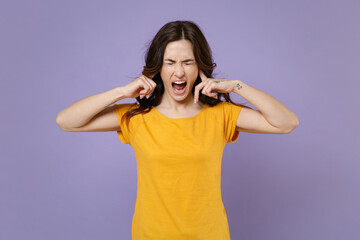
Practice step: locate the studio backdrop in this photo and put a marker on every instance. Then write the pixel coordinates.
(57, 185)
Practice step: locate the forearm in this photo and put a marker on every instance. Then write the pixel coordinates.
(273, 110)
(81, 112)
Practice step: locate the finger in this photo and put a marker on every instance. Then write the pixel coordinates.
(197, 90)
(145, 88)
(153, 86)
(209, 90)
(151, 82)
(150, 78)
(202, 75)
(142, 94)
(149, 86)
(207, 83)
(206, 91)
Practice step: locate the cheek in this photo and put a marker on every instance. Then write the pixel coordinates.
(164, 72)
(193, 72)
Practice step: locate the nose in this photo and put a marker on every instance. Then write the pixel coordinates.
(179, 71)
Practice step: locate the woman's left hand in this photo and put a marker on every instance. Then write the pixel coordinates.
(211, 85)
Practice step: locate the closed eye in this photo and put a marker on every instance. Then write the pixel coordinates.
(185, 63)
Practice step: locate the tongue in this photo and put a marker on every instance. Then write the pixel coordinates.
(179, 86)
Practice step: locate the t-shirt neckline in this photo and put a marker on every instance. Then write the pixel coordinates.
(183, 118)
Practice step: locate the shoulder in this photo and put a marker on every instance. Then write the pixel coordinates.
(137, 116)
(226, 110)
(125, 106)
(121, 109)
(230, 107)
(220, 106)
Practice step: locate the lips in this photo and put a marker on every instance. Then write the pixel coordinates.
(179, 83)
(179, 80)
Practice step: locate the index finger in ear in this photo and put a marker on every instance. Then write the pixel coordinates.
(150, 78)
(202, 75)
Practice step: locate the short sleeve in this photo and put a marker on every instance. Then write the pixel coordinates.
(120, 110)
(231, 114)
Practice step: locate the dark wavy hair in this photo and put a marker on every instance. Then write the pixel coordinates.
(174, 31)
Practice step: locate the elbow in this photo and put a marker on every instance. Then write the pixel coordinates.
(60, 123)
(293, 126)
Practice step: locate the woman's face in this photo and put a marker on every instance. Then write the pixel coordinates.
(179, 66)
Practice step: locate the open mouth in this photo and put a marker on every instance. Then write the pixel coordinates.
(179, 87)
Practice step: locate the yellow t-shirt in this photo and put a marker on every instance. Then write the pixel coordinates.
(179, 172)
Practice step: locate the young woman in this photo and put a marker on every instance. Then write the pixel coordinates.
(178, 130)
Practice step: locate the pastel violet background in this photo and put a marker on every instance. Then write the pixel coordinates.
(58, 185)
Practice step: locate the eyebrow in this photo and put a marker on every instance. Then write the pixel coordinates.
(186, 60)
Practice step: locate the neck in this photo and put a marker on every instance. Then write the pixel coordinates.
(171, 104)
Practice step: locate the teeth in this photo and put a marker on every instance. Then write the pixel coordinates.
(179, 82)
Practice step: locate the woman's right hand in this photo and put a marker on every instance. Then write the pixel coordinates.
(142, 86)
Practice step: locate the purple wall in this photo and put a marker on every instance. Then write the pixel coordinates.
(60, 185)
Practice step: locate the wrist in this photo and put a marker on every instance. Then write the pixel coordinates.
(119, 93)
(238, 85)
